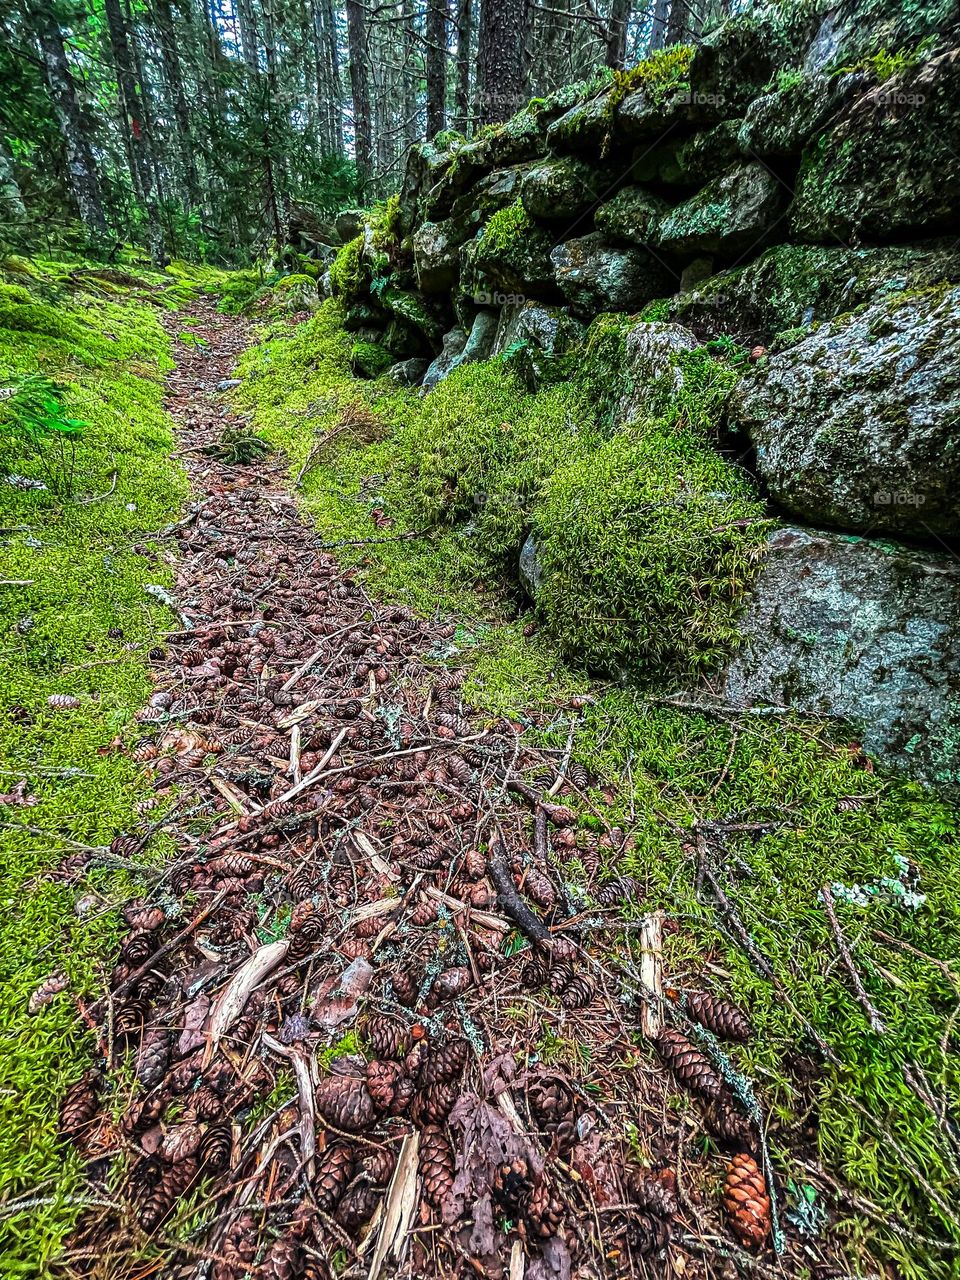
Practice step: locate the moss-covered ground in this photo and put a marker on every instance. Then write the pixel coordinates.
(75, 621)
(430, 499)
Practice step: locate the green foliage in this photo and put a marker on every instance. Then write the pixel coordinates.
(883, 64)
(348, 273)
(659, 76)
(32, 409)
(78, 576)
(239, 292)
(506, 227)
(238, 446)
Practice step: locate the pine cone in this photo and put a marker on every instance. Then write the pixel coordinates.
(181, 1141)
(452, 982)
(550, 1099)
(539, 888)
(283, 1260)
(746, 1201)
(357, 1207)
(727, 1122)
(387, 1037)
(654, 1192)
(648, 1234)
(334, 1171)
(545, 1212)
(216, 1148)
(346, 1103)
(688, 1064)
(152, 1057)
(382, 1081)
(533, 975)
(578, 992)
(79, 1107)
(436, 1165)
(176, 1180)
(445, 1062)
(378, 1166)
(434, 1104)
(405, 987)
(239, 1249)
(512, 1187)
(719, 1016)
(559, 978)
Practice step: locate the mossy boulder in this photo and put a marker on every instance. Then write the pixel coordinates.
(631, 216)
(411, 309)
(436, 257)
(890, 167)
(463, 165)
(511, 255)
(564, 188)
(856, 426)
(595, 276)
(864, 632)
(706, 155)
(462, 348)
(408, 373)
(369, 359)
(583, 129)
(651, 372)
(477, 205)
(348, 223)
(732, 65)
(535, 338)
(733, 215)
(784, 121)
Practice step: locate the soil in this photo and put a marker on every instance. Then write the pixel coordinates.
(360, 1012)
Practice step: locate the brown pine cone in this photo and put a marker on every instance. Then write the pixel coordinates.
(719, 1016)
(475, 864)
(533, 975)
(559, 978)
(654, 1192)
(728, 1123)
(550, 1099)
(452, 982)
(129, 1019)
(387, 1037)
(152, 1057)
(688, 1064)
(184, 1073)
(239, 1249)
(405, 987)
(346, 1103)
(545, 1212)
(334, 1171)
(539, 888)
(378, 1166)
(434, 1104)
(357, 1207)
(436, 1165)
(216, 1147)
(181, 1141)
(283, 1259)
(648, 1234)
(746, 1201)
(445, 1062)
(79, 1107)
(174, 1183)
(205, 1103)
(425, 912)
(512, 1187)
(382, 1080)
(578, 992)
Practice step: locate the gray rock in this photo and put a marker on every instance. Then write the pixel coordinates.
(448, 359)
(782, 122)
(732, 215)
(857, 425)
(530, 568)
(890, 167)
(549, 329)
(594, 276)
(651, 374)
(583, 129)
(228, 384)
(564, 188)
(864, 632)
(483, 199)
(707, 154)
(630, 216)
(348, 223)
(460, 348)
(408, 373)
(436, 257)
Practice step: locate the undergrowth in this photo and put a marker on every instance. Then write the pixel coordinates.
(75, 620)
(638, 517)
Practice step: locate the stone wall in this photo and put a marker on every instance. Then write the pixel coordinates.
(795, 186)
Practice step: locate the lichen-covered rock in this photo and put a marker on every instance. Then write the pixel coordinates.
(436, 257)
(409, 307)
(706, 155)
(462, 166)
(537, 334)
(631, 216)
(890, 167)
(445, 363)
(642, 116)
(857, 425)
(511, 256)
(485, 198)
(862, 631)
(460, 348)
(651, 372)
(348, 223)
(594, 276)
(732, 215)
(792, 287)
(734, 63)
(583, 129)
(408, 373)
(782, 122)
(564, 188)
(369, 359)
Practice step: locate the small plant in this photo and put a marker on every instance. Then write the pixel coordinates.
(238, 447)
(32, 411)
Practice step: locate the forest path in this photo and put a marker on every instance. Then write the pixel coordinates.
(360, 863)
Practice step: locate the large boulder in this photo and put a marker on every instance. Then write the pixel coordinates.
(485, 198)
(509, 261)
(857, 425)
(631, 216)
(535, 336)
(436, 257)
(733, 215)
(651, 373)
(583, 129)
(594, 276)
(782, 122)
(864, 632)
(448, 359)
(890, 167)
(564, 187)
(460, 348)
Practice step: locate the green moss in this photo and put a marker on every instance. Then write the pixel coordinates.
(348, 274)
(73, 576)
(660, 75)
(369, 359)
(506, 227)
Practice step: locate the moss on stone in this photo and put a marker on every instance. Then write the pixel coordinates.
(348, 275)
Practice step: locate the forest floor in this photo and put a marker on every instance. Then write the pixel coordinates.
(359, 1014)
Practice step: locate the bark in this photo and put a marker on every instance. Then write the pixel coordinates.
(436, 61)
(360, 88)
(173, 72)
(410, 77)
(616, 41)
(248, 36)
(464, 41)
(680, 22)
(84, 182)
(501, 59)
(11, 200)
(658, 25)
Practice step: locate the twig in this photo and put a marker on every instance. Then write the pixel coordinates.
(511, 902)
(873, 1016)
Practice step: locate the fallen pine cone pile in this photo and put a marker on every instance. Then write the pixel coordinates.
(382, 879)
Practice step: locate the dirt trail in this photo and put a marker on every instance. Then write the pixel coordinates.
(359, 856)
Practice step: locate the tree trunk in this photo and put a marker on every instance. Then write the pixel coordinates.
(336, 84)
(617, 34)
(248, 36)
(501, 59)
(679, 22)
(411, 75)
(84, 183)
(464, 41)
(360, 88)
(173, 72)
(436, 67)
(11, 201)
(658, 25)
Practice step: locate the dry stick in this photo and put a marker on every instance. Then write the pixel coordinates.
(510, 900)
(866, 1004)
(314, 773)
(94, 1009)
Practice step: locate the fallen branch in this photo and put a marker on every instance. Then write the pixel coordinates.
(877, 1024)
(510, 901)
